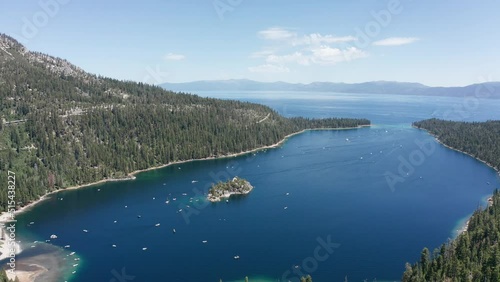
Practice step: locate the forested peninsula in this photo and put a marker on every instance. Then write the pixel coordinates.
(61, 126)
(475, 254)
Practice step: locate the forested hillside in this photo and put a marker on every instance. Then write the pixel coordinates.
(472, 256)
(480, 139)
(62, 126)
(475, 254)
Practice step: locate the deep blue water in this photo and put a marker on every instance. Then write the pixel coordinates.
(337, 193)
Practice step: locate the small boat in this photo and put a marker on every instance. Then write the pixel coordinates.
(157, 224)
(85, 230)
(114, 246)
(174, 199)
(67, 246)
(75, 265)
(126, 206)
(167, 201)
(227, 201)
(173, 230)
(236, 257)
(139, 216)
(184, 194)
(285, 208)
(194, 181)
(154, 198)
(31, 223)
(204, 241)
(72, 253)
(98, 190)
(361, 158)
(144, 249)
(287, 194)
(115, 221)
(73, 272)
(53, 236)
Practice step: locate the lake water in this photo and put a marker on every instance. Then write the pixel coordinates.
(322, 204)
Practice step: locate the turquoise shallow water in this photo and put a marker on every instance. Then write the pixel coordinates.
(321, 204)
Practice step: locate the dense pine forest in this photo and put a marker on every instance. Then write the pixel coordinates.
(475, 254)
(479, 139)
(62, 126)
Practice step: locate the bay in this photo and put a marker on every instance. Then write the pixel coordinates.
(320, 186)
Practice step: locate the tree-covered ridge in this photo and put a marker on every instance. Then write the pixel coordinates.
(231, 187)
(63, 127)
(479, 139)
(475, 254)
(472, 256)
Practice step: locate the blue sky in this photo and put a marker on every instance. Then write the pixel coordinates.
(438, 43)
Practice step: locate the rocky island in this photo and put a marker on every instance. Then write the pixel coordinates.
(236, 186)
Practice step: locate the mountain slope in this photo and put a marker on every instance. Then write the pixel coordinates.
(483, 90)
(62, 126)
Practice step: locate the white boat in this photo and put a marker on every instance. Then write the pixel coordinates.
(173, 230)
(174, 199)
(285, 208)
(287, 194)
(184, 194)
(157, 224)
(85, 230)
(144, 249)
(204, 241)
(114, 246)
(236, 257)
(53, 236)
(67, 246)
(194, 181)
(167, 201)
(72, 253)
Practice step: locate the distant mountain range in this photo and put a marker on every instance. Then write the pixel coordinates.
(482, 90)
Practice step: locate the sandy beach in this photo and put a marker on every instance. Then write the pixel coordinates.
(33, 269)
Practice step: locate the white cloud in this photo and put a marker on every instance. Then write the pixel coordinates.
(305, 50)
(326, 55)
(277, 33)
(269, 68)
(174, 57)
(318, 39)
(292, 38)
(395, 41)
(296, 57)
(262, 54)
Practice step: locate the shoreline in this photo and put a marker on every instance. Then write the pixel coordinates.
(6, 217)
(465, 227)
(460, 151)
